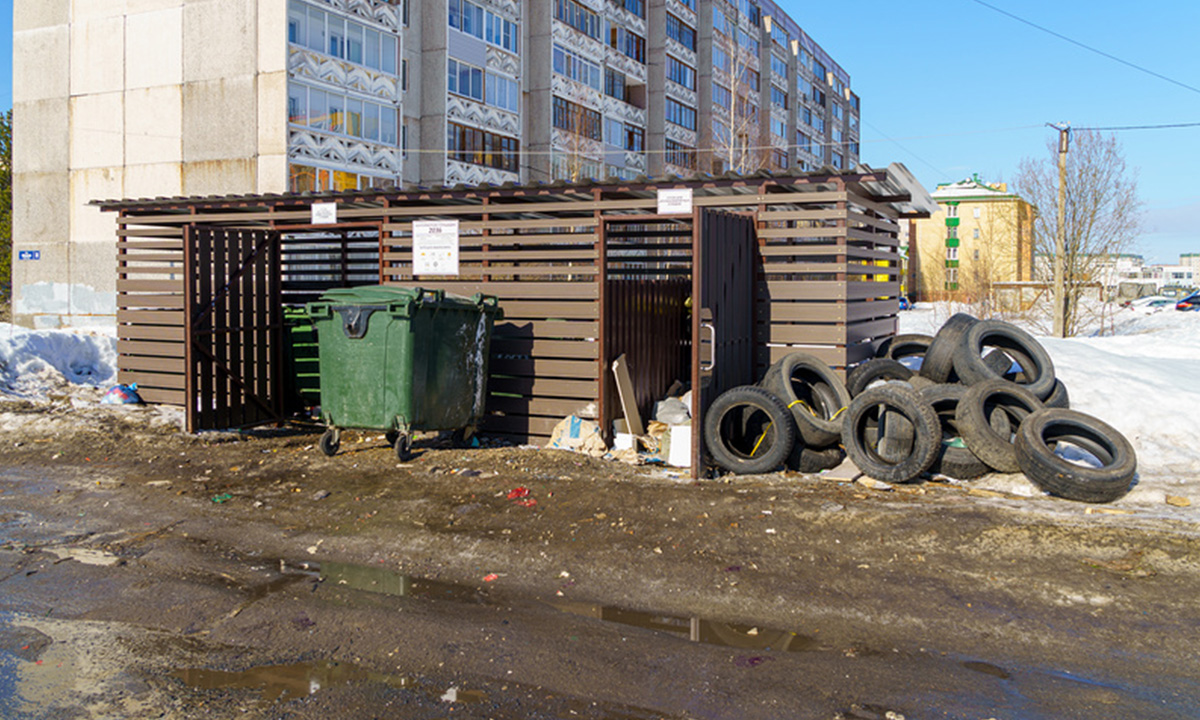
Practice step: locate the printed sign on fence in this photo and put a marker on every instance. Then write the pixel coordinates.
(435, 247)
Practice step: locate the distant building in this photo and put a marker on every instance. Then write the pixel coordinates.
(1174, 275)
(1114, 269)
(1191, 260)
(981, 235)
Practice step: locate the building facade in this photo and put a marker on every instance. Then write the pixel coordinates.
(145, 98)
(981, 235)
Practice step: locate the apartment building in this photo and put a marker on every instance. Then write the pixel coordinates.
(144, 98)
(981, 235)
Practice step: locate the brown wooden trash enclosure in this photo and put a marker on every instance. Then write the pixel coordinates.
(584, 273)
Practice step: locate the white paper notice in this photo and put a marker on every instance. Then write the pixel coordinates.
(675, 201)
(324, 213)
(435, 247)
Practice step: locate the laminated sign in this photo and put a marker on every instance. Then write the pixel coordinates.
(435, 247)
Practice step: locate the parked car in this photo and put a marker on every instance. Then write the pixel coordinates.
(1151, 302)
(1191, 302)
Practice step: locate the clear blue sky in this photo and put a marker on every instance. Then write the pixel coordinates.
(961, 89)
(952, 81)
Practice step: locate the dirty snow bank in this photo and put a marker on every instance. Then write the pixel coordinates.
(1143, 378)
(34, 364)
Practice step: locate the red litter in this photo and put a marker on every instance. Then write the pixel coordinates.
(518, 492)
(527, 502)
(490, 577)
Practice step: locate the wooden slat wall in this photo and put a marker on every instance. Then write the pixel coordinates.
(545, 359)
(826, 281)
(829, 284)
(150, 318)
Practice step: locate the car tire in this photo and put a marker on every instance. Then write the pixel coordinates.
(954, 458)
(974, 414)
(938, 364)
(1043, 430)
(874, 370)
(813, 393)
(871, 407)
(748, 431)
(1037, 368)
(909, 345)
(810, 461)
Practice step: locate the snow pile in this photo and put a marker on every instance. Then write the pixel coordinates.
(1142, 379)
(36, 363)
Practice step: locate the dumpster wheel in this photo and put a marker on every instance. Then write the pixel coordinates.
(403, 446)
(330, 441)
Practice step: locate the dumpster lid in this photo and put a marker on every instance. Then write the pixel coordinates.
(385, 295)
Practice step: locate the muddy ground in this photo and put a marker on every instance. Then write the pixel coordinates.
(149, 573)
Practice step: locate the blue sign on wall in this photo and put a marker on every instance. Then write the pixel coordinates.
(29, 254)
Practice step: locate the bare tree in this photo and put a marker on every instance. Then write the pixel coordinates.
(1102, 218)
(736, 110)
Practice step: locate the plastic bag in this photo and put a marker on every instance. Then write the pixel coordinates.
(121, 395)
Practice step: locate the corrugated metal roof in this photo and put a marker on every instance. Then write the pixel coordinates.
(895, 183)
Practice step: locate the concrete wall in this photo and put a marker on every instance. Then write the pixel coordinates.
(132, 98)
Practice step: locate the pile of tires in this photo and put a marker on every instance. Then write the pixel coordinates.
(979, 396)
(791, 419)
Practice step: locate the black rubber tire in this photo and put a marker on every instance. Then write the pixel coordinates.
(869, 407)
(813, 393)
(1036, 365)
(1042, 430)
(748, 430)
(902, 346)
(952, 460)
(938, 364)
(403, 446)
(920, 383)
(975, 424)
(1058, 396)
(873, 370)
(330, 441)
(811, 461)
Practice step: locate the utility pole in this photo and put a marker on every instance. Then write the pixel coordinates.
(1060, 237)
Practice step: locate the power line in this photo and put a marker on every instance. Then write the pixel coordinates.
(1089, 48)
(1140, 127)
(928, 164)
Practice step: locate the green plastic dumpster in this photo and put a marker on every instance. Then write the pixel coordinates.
(401, 360)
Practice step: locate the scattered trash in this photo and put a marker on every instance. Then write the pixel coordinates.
(1178, 501)
(749, 661)
(578, 435)
(223, 498)
(122, 395)
(491, 577)
(526, 502)
(320, 495)
(518, 492)
(873, 484)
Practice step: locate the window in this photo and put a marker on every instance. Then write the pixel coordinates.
(614, 132)
(781, 159)
(614, 84)
(951, 253)
(354, 116)
(836, 136)
(951, 233)
(345, 39)
(635, 139)
(748, 41)
(750, 10)
(803, 142)
(485, 25)
(297, 24)
(680, 114)
(480, 147)
(779, 128)
(681, 33)
(463, 79)
(355, 41)
(952, 277)
(297, 104)
(975, 234)
(778, 65)
(637, 7)
(721, 96)
(316, 30)
(568, 64)
(978, 212)
(502, 92)
(837, 161)
(720, 58)
(577, 16)
(721, 23)
(779, 35)
(680, 155)
(818, 123)
(952, 210)
(779, 98)
(681, 73)
(976, 255)
(337, 37)
(629, 43)
(818, 70)
(803, 87)
(336, 105)
(750, 78)
(576, 119)
(838, 112)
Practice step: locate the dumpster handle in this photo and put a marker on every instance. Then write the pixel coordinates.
(356, 317)
(712, 363)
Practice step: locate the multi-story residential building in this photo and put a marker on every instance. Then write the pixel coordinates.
(167, 97)
(1191, 260)
(980, 236)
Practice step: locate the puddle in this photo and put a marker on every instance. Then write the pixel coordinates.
(388, 582)
(298, 680)
(710, 632)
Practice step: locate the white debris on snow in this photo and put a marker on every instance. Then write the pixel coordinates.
(1142, 376)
